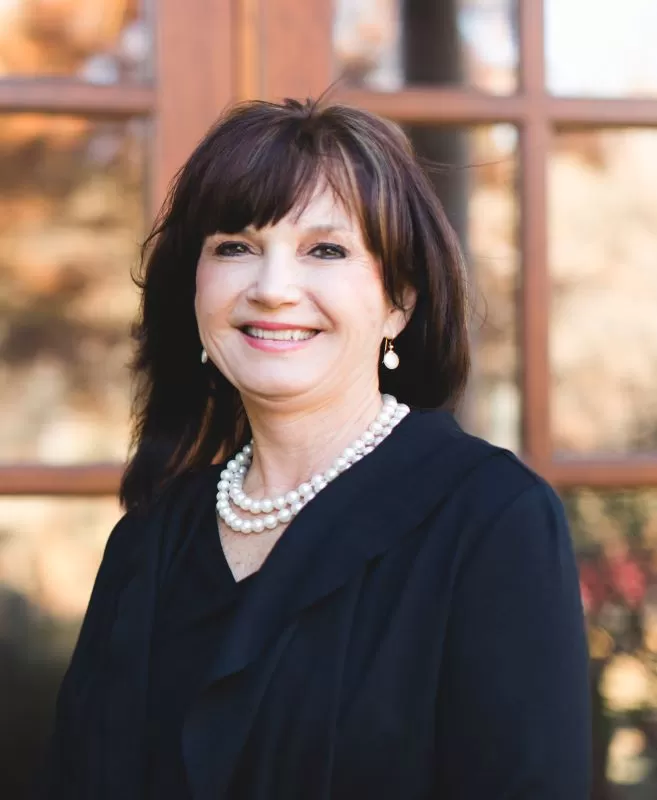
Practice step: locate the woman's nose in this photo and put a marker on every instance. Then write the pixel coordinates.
(275, 282)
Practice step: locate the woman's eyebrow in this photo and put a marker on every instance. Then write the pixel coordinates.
(327, 228)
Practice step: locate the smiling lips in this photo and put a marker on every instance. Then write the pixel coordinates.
(272, 337)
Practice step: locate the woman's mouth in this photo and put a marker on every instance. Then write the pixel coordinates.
(277, 339)
(282, 335)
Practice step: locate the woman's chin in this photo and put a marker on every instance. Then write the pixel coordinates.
(276, 389)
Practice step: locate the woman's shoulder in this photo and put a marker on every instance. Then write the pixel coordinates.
(155, 520)
(487, 494)
(489, 475)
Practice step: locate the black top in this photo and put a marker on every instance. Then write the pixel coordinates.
(191, 617)
(415, 634)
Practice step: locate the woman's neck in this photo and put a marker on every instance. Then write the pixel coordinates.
(290, 446)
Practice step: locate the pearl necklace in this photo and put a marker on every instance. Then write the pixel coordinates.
(268, 513)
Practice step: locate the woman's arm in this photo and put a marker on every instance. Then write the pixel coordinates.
(58, 778)
(513, 705)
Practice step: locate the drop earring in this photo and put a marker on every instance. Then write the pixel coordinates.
(204, 356)
(390, 358)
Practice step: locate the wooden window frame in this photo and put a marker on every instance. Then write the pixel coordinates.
(211, 51)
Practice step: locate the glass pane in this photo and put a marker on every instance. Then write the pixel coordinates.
(71, 218)
(100, 41)
(598, 48)
(50, 550)
(603, 262)
(474, 171)
(388, 44)
(615, 536)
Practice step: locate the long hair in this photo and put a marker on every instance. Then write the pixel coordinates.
(258, 163)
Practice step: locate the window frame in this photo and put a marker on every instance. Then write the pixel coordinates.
(252, 48)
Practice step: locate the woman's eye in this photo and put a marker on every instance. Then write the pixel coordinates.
(231, 249)
(329, 251)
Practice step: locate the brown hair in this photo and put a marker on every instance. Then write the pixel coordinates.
(259, 162)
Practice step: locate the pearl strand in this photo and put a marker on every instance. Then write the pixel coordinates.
(268, 513)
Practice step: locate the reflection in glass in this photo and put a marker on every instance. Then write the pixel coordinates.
(603, 252)
(100, 41)
(71, 218)
(50, 550)
(597, 49)
(474, 172)
(615, 536)
(387, 44)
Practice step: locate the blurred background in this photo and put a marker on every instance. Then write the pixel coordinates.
(543, 117)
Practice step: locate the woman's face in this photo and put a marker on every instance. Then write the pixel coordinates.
(297, 309)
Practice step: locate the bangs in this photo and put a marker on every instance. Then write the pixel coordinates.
(258, 178)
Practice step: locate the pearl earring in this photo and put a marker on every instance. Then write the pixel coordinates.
(204, 356)
(390, 358)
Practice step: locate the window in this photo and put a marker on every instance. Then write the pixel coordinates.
(565, 366)
(551, 136)
(96, 114)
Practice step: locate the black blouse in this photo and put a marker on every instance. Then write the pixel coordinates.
(415, 634)
(191, 617)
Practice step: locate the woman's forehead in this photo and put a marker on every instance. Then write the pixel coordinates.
(324, 209)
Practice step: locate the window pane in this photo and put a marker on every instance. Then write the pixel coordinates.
(388, 44)
(100, 41)
(71, 218)
(474, 171)
(598, 49)
(615, 536)
(50, 550)
(603, 261)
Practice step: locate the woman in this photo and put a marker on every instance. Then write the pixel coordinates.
(316, 593)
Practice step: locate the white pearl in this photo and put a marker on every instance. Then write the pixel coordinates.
(222, 504)
(341, 464)
(246, 503)
(284, 515)
(296, 507)
(247, 449)
(348, 454)
(331, 474)
(387, 399)
(223, 485)
(236, 525)
(266, 505)
(358, 445)
(241, 470)
(368, 438)
(305, 489)
(270, 521)
(232, 466)
(225, 475)
(376, 428)
(258, 526)
(256, 506)
(317, 481)
(279, 502)
(247, 526)
(291, 498)
(241, 458)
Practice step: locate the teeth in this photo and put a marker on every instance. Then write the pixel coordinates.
(291, 335)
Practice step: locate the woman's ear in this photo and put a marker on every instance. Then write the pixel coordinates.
(399, 317)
